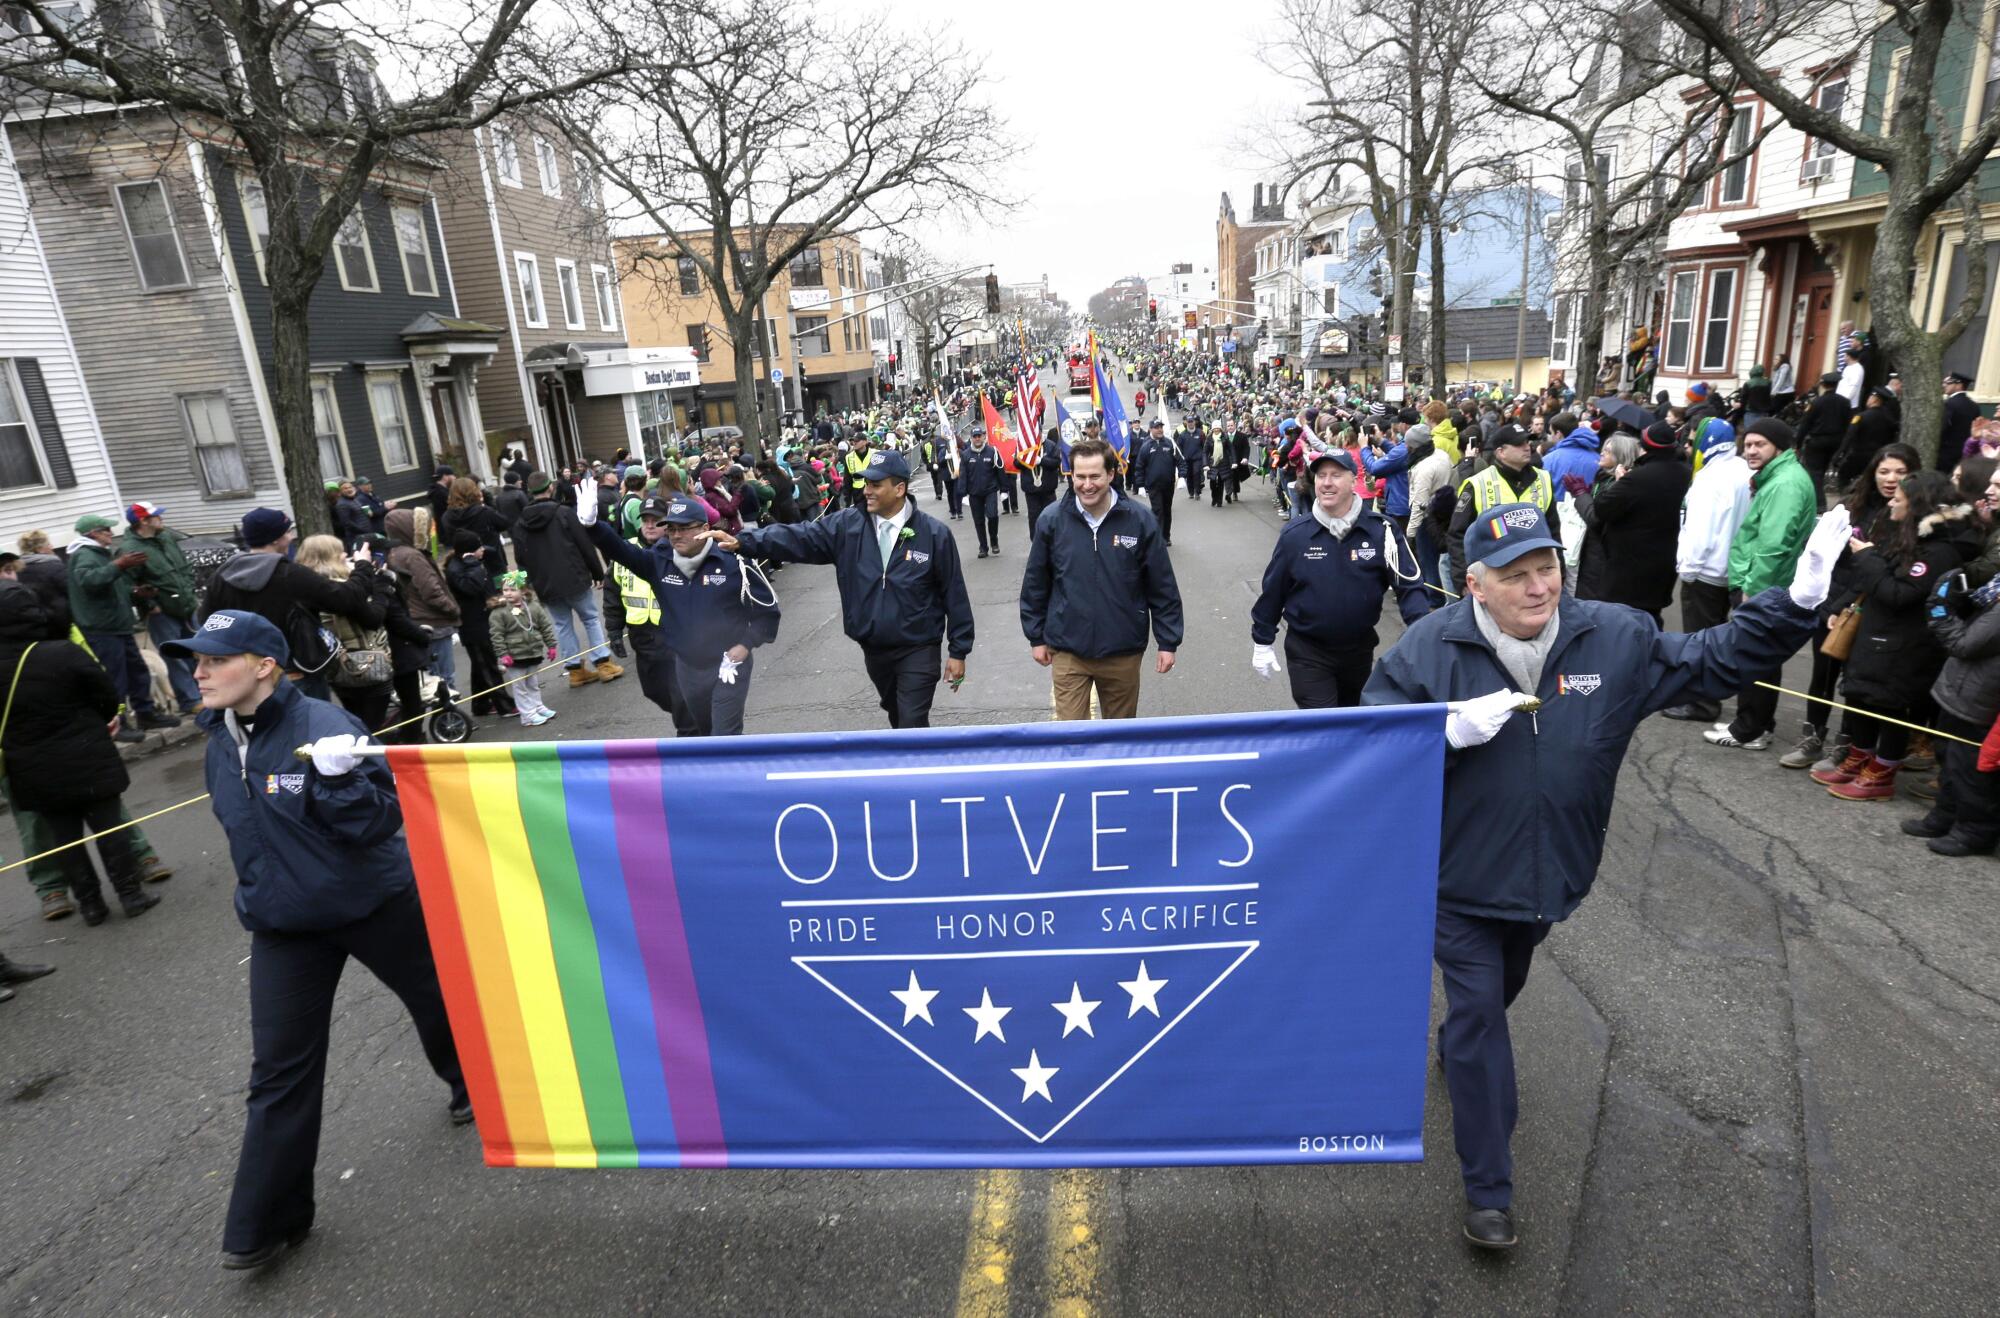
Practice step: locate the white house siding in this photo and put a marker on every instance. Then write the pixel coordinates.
(32, 328)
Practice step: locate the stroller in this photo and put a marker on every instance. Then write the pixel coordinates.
(446, 724)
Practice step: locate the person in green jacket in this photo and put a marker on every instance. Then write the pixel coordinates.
(1784, 505)
(165, 594)
(101, 582)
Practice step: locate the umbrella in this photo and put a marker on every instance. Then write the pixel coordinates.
(1626, 412)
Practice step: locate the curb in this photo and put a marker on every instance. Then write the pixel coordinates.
(161, 739)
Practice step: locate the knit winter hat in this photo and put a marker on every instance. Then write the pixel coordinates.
(1697, 392)
(1781, 435)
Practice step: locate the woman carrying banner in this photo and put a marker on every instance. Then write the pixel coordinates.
(322, 874)
(1590, 671)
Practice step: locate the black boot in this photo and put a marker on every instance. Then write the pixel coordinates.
(20, 972)
(133, 900)
(89, 896)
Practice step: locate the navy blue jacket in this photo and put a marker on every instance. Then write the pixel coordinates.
(702, 616)
(311, 852)
(915, 602)
(1525, 814)
(1330, 591)
(1193, 446)
(1158, 463)
(1089, 592)
(980, 469)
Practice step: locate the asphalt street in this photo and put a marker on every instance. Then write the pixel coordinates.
(1758, 1075)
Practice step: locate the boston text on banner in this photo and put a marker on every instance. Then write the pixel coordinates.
(1169, 941)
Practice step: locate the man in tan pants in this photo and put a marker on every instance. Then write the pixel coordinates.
(1098, 579)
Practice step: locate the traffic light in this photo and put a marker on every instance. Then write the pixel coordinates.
(1152, 308)
(993, 295)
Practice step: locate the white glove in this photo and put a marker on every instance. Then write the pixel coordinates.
(1476, 722)
(1814, 575)
(586, 504)
(727, 673)
(337, 755)
(1265, 661)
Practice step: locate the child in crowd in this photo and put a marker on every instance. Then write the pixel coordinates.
(525, 636)
(466, 573)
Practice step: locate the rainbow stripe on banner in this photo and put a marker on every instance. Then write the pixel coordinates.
(570, 988)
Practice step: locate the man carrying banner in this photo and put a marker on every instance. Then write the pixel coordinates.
(1326, 579)
(901, 587)
(322, 874)
(708, 619)
(1524, 814)
(1097, 569)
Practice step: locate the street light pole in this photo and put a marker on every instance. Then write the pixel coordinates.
(1521, 312)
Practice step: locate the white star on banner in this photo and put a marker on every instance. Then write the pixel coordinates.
(1034, 1077)
(1145, 992)
(1076, 1012)
(916, 1000)
(989, 1016)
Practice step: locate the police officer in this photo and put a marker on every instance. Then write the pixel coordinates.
(1156, 470)
(1512, 477)
(1527, 800)
(323, 874)
(854, 462)
(902, 591)
(708, 619)
(1326, 579)
(981, 465)
(653, 658)
(1193, 446)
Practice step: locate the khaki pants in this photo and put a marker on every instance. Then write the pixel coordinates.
(1116, 680)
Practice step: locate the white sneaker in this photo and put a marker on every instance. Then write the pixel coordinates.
(1723, 737)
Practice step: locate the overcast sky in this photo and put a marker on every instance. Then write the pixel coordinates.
(1119, 175)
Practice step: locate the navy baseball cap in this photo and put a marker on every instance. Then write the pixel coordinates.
(232, 631)
(1506, 531)
(677, 511)
(1339, 455)
(886, 465)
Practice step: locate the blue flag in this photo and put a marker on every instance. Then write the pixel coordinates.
(1114, 415)
(1067, 428)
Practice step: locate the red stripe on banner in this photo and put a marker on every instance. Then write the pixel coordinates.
(448, 950)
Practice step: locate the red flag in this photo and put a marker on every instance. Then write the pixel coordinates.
(996, 433)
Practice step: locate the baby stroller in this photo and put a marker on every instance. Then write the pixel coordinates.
(446, 724)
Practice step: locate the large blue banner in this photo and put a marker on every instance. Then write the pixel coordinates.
(1198, 940)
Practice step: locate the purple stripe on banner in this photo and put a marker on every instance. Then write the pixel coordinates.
(638, 797)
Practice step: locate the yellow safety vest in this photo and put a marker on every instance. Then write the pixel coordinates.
(856, 464)
(642, 606)
(1490, 488)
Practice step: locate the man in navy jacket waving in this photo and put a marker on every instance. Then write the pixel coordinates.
(1527, 800)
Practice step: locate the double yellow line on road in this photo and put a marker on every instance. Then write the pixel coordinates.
(1072, 1244)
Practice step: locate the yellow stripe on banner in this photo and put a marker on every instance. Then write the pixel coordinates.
(1073, 1247)
(526, 922)
(989, 1250)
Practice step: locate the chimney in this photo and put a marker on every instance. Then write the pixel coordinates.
(1257, 200)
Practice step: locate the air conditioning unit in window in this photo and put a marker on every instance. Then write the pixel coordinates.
(1816, 168)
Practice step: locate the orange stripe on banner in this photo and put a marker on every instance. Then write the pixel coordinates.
(447, 934)
(486, 949)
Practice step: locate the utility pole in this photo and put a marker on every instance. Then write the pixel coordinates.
(1521, 312)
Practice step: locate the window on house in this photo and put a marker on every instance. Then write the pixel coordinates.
(528, 271)
(1682, 290)
(1606, 164)
(698, 340)
(507, 155)
(588, 190)
(656, 421)
(545, 165)
(256, 218)
(352, 256)
(156, 244)
(328, 432)
(1734, 189)
(218, 454)
(414, 242)
(392, 422)
(1989, 96)
(1572, 185)
(1559, 342)
(572, 294)
(690, 273)
(1718, 320)
(607, 297)
(1965, 351)
(813, 340)
(807, 271)
(20, 454)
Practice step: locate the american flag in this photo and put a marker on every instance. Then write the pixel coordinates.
(1028, 408)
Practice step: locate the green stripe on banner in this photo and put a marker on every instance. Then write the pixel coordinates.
(538, 785)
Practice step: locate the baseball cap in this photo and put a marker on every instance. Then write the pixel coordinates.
(886, 465)
(1957, 378)
(140, 511)
(90, 522)
(232, 631)
(262, 526)
(677, 511)
(1502, 534)
(1339, 455)
(1287, 425)
(1511, 435)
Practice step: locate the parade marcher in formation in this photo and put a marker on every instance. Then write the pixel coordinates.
(1157, 471)
(1040, 481)
(1193, 448)
(640, 603)
(1327, 575)
(708, 620)
(322, 874)
(1097, 574)
(980, 468)
(902, 591)
(1511, 477)
(1596, 670)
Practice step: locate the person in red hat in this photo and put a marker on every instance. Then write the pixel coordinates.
(165, 594)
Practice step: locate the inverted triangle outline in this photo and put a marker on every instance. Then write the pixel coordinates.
(805, 963)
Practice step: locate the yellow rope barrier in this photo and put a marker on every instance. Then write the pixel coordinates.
(1868, 713)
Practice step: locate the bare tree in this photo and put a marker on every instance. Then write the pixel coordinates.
(769, 128)
(297, 88)
(939, 302)
(1915, 143)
